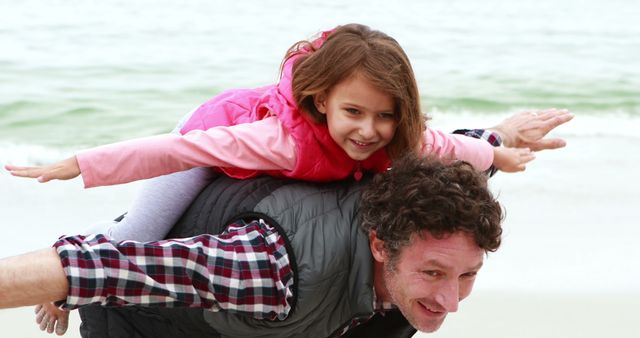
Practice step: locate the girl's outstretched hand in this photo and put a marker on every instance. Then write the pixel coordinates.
(511, 160)
(63, 170)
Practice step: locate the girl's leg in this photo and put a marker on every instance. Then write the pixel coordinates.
(159, 203)
(158, 206)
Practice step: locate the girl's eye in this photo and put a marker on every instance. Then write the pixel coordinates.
(353, 111)
(387, 116)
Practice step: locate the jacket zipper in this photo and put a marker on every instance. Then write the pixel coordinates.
(357, 174)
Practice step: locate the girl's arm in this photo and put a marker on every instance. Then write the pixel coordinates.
(261, 145)
(63, 170)
(511, 160)
(477, 152)
(525, 131)
(450, 147)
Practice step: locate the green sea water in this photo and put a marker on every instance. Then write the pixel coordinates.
(81, 73)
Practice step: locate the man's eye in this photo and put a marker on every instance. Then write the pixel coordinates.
(432, 273)
(469, 275)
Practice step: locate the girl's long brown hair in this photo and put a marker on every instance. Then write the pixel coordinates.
(356, 49)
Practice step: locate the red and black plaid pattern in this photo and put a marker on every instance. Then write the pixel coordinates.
(244, 270)
(493, 138)
(379, 307)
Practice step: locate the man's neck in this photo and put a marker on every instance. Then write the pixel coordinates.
(379, 285)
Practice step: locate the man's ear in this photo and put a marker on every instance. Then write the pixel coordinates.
(320, 101)
(377, 247)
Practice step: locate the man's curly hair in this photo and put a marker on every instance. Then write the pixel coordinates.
(422, 194)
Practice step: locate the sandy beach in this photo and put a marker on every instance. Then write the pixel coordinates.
(21, 323)
(538, 315)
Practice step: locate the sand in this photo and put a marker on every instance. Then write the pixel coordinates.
(508, 315)
(21, 323)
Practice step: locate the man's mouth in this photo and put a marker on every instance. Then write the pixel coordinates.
(432, 311)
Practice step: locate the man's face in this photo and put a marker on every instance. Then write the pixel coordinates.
(429, 277)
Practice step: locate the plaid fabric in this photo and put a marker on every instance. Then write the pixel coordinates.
(379, 307)
(489, 136)
(244, 270)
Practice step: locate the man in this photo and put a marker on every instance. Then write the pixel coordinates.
(423, 233)
(295, 261)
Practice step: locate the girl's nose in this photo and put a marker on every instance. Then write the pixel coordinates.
(367, 129)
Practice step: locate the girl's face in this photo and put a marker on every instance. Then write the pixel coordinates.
(360, 117)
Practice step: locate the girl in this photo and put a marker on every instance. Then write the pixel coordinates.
(346, 102)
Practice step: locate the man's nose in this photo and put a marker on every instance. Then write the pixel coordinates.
(449, 296)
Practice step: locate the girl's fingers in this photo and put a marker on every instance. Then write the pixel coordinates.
(527, 156)
(31, 172)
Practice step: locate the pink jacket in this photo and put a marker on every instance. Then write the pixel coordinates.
(318, 157)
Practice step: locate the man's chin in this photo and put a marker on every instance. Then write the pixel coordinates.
(426, 326)
(429, 328)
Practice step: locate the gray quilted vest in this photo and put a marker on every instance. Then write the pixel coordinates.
(330, 258)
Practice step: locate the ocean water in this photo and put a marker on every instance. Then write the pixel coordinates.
(80, 73)
(75, 74)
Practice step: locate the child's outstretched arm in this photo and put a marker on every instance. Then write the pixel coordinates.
(521, 134)
(260, 145)
(63, 170)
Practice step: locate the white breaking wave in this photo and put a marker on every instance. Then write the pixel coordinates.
(31, 154)
(621, 124)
